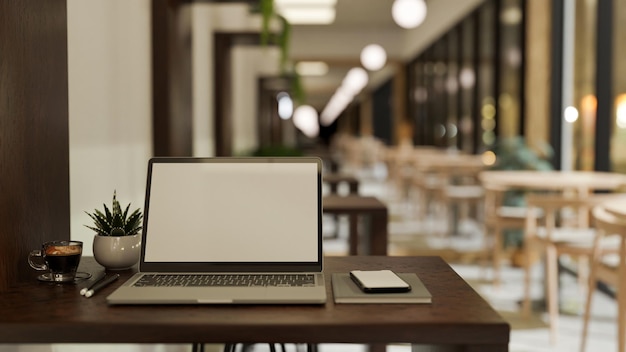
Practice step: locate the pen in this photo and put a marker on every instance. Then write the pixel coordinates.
(101, 284)
(93, 283)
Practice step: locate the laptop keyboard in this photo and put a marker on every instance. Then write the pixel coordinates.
(226, 280)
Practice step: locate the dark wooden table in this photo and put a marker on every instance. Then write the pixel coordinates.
(334, 179)
(35, 312)
(355, 206)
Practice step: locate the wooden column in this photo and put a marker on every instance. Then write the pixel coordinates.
(34, 137)
(171, 78)
(538, 73)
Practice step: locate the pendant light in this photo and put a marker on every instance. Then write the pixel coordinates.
(408, 13)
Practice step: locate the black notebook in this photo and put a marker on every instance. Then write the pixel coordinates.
(346, 291)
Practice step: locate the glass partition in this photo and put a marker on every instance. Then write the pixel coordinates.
(510, 54)
(467, 85)
(618, 138)
(485, 84)
(438, 99)
(452, 88)
(584, 80)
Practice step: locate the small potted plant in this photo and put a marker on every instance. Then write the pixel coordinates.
(117, 242)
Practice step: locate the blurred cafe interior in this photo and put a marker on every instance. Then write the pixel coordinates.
(493, 131)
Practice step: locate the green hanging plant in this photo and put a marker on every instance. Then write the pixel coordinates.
(268, 11)
(297, 90)
(283, 43)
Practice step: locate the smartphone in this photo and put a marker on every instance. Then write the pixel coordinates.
(379, 281)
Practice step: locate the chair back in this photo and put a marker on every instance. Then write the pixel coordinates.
(608, 271)
(563, 209)
(608, 223)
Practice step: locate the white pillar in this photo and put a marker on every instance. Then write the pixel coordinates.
(567, 99)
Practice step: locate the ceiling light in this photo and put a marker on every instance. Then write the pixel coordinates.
(306, 120)
(467, 78)
(511, 16)
(338, 103)
(283, 3)
(408, 13)
(285, 105)
(309, 15)
(620, 110)
(570, 114)
(352, 84)
(312, 68)
(373, 57)
(307, 11)
(356, 79)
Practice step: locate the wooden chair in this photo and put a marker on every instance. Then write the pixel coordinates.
(459, 196)
(608, 268)
(498, 218)
(561, 230)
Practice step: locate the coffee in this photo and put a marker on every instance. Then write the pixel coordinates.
(62, 259)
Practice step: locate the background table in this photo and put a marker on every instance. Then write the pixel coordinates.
(37, 312)
(334, 179)
(616, 207)
(583, 181)
(355, 206)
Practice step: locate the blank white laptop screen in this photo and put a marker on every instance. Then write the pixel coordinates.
(232, 212)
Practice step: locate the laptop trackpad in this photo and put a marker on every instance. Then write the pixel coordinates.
(230, 294)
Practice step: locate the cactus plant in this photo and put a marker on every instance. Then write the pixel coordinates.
(114, 222)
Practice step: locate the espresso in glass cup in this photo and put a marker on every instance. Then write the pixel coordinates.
(60, 258)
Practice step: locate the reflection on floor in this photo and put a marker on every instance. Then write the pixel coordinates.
(410, 236)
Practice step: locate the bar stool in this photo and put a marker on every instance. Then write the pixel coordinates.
(498, 218)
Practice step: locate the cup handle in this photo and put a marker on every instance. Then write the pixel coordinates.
(33, 263)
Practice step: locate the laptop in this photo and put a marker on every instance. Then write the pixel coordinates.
(232, 222)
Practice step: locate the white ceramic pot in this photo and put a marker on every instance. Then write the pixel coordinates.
(117, 252)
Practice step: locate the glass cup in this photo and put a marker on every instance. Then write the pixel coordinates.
(60, 258)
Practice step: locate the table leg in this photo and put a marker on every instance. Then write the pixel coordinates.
(377, 347)
(353, 234)
(333, 190)
(378, 233)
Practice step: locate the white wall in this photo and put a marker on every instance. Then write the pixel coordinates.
(109, 106)
(202, 83)
(248, 64)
